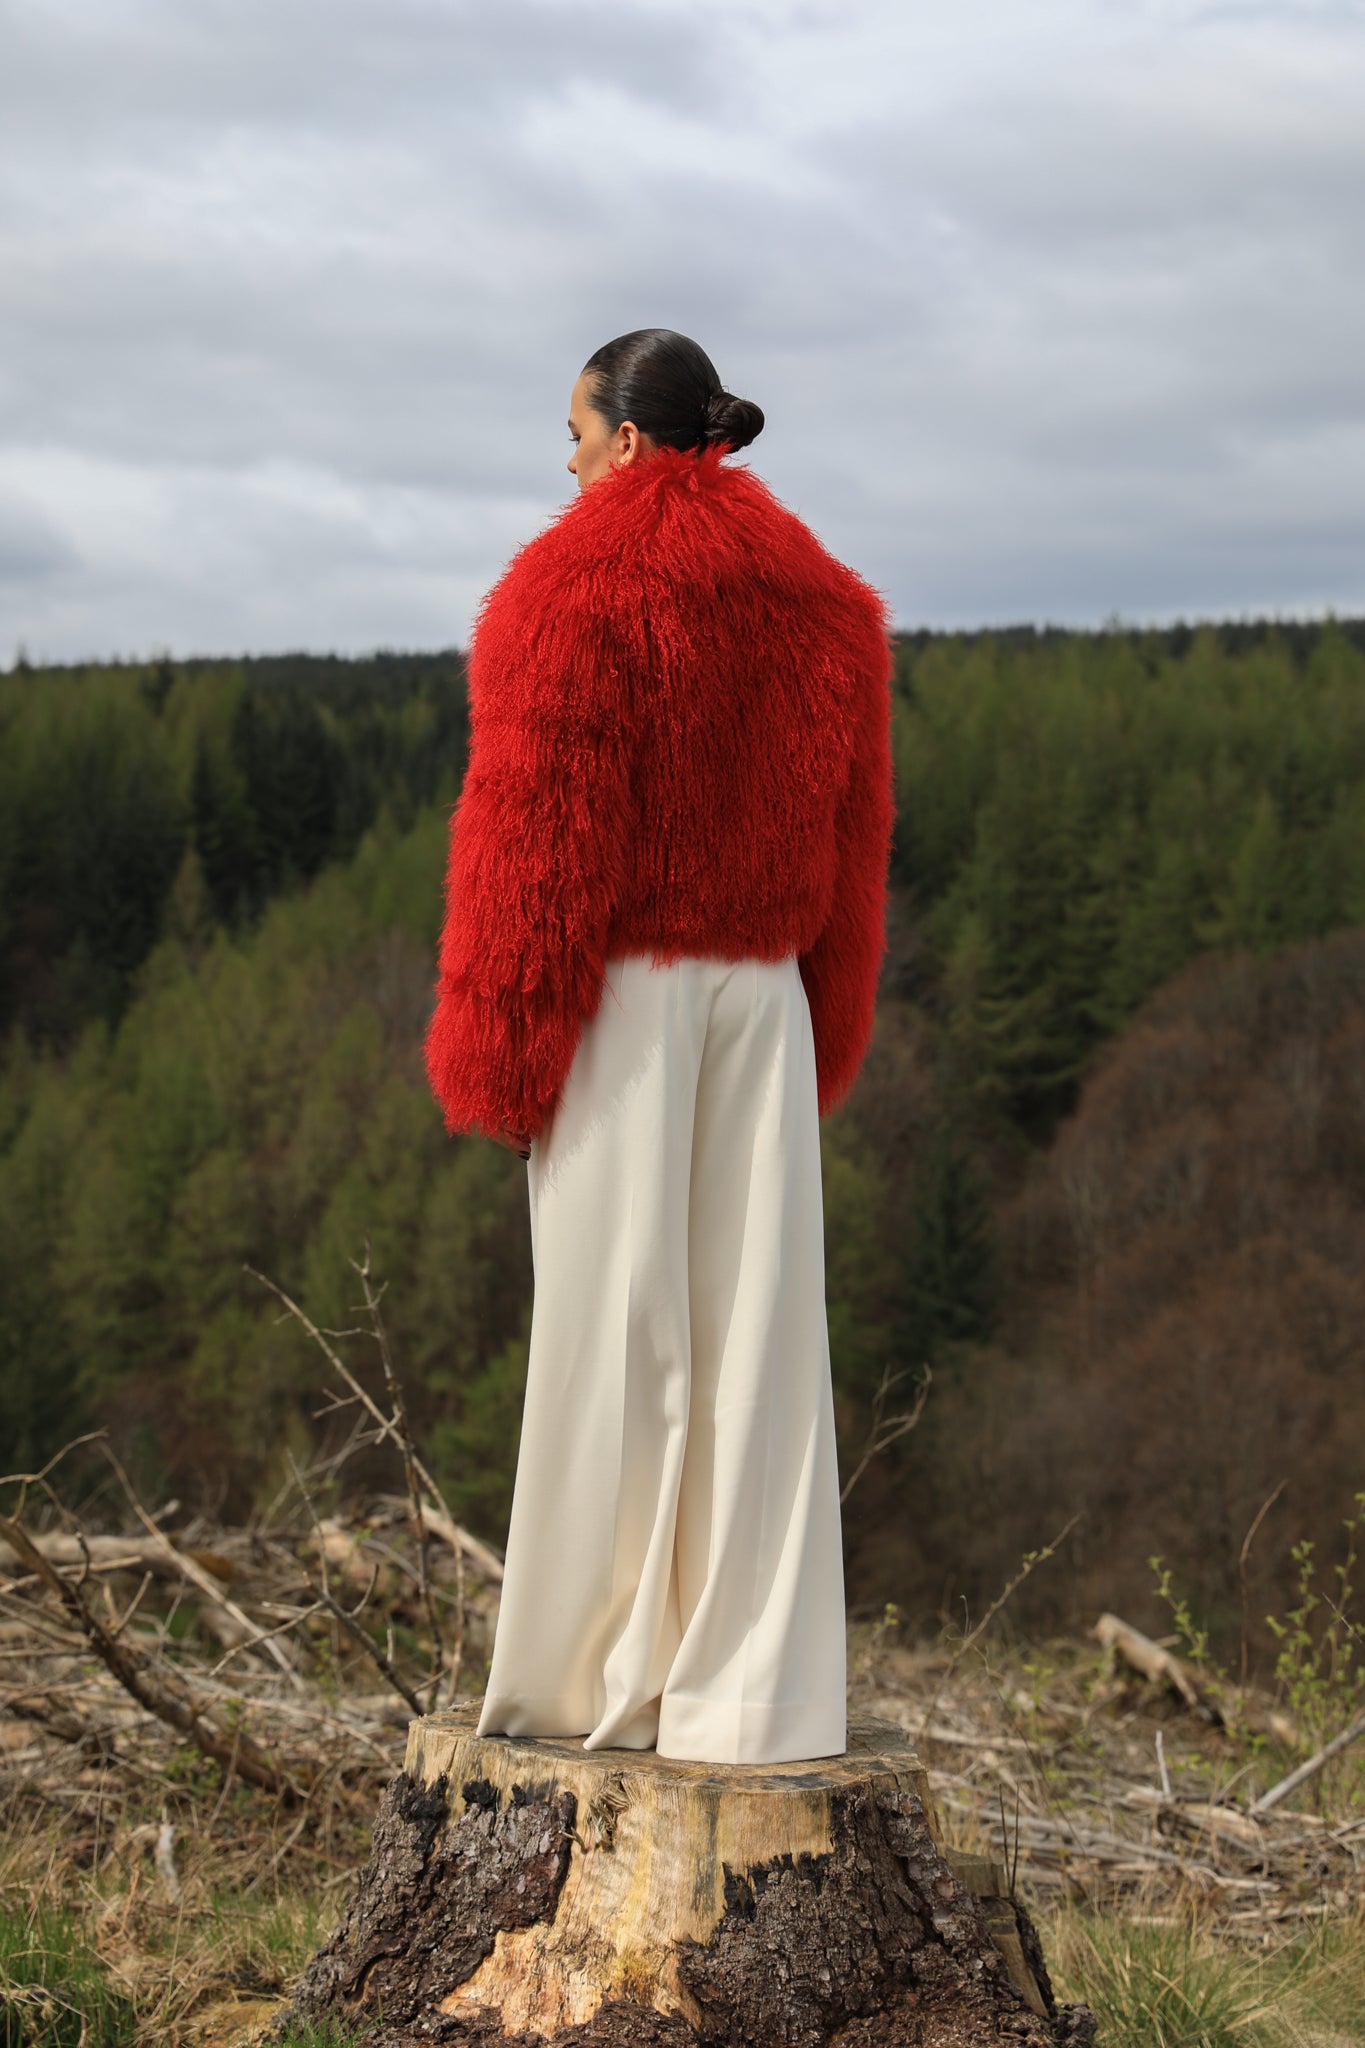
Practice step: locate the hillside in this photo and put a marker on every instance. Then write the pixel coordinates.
(1180, 1322)
(1102, 1171)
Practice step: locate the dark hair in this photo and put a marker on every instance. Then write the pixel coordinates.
(668, 386)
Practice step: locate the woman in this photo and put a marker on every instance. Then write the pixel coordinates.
(664, 924)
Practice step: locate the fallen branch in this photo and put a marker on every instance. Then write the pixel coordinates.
(168, 1703)
(201, 1579)
(1156, 1664)
(298, 1615)
(123, 1554)
(1311, 1768)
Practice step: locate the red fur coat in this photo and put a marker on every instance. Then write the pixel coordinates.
(680, 718)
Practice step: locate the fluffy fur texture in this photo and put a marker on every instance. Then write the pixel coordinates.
(680, 719)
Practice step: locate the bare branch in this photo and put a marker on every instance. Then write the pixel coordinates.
(1310, 1769)
(363, 1642)
(169, 1702)
(383, 1422)
(439, 1522)
(1266, 1505)
(403, 1438)
(27, 1479)
(195, 1573)
(432, 1514)
(887, 1430)
(973, 1636)
(1026, 1570)
(326, 1593)
(283, 1628)
(457, 1644)
(120, 1624)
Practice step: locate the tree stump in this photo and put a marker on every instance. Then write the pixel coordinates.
(528, 1892)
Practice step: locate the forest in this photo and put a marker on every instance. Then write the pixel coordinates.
(1103, 1175)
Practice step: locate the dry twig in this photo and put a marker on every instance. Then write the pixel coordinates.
(393, 1429)
(167, 1699)
(363, 1642)
(1266, 1505)
(888, 1429)
(973, 1636)
(1310, 1769)
(407, 1451)
(199, 1578)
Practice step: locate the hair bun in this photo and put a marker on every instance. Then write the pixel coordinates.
(733, 422)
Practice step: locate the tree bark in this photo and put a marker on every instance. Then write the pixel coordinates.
(527, 1892)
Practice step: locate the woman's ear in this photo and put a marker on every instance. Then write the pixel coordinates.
(629, 443)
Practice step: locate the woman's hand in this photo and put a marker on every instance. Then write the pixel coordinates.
(513, 1143)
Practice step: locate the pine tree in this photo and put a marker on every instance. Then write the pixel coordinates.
(949, 1283)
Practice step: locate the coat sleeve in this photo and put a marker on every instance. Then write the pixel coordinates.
(538, 846)
(841, 970)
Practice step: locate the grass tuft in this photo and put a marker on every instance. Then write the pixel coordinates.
(1167, 1986)
(54, 1992)
(1156, 1987)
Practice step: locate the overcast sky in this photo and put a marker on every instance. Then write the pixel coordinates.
(1056, 307)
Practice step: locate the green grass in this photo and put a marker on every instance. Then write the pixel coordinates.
(54, 1992)
(268, 1939)
(327, 2034)
(1154, 1986)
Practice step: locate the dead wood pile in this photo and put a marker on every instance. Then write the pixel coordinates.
(188, 1664)
(1105, 1785)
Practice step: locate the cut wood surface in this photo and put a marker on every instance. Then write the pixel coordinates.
(1156, 1663)
(530, 1891)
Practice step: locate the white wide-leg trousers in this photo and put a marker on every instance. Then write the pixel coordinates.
(674, 1570)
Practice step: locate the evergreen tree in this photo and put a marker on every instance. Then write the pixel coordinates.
(220, 891)
(223, 829)
(949, 1288)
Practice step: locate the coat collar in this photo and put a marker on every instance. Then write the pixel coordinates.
(662, 473)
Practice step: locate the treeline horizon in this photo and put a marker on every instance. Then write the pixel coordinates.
(1128, 892)
(1235, 634)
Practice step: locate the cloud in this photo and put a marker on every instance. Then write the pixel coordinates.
(32, 548)
(1055, 312)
